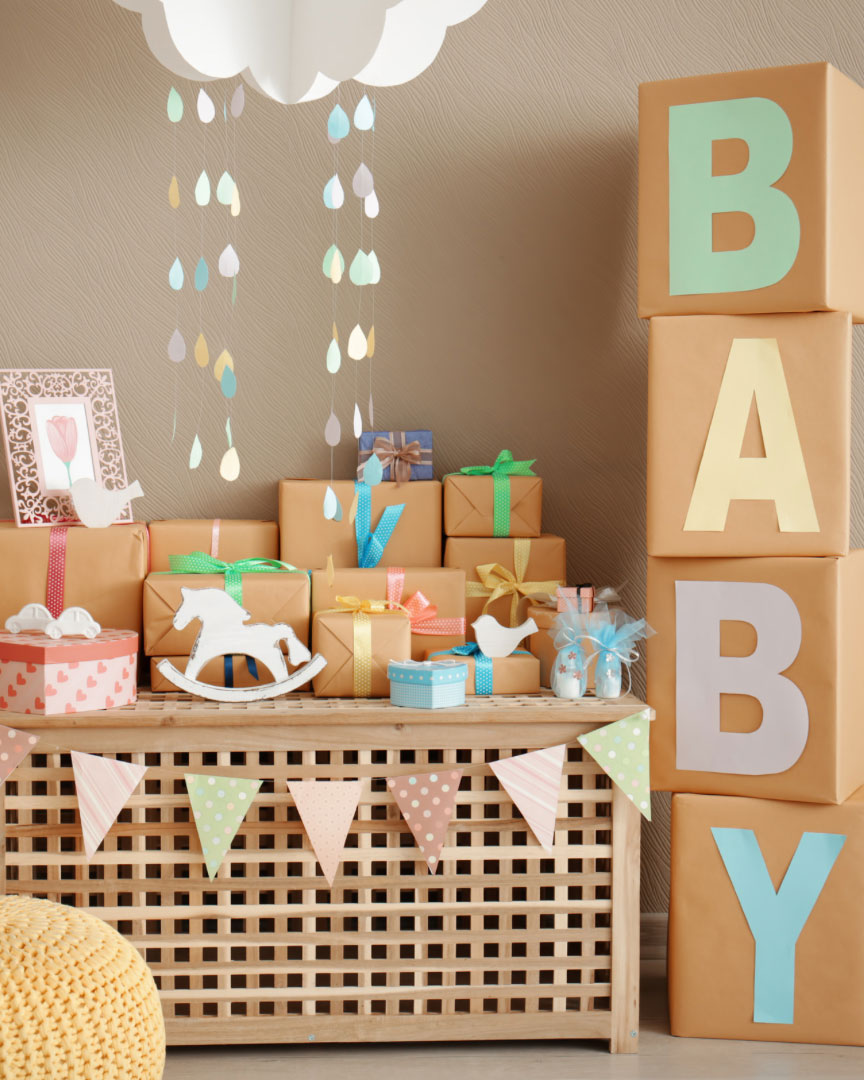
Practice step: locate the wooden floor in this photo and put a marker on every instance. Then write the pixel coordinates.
(661, 1057)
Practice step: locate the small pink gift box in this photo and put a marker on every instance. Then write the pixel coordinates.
(576, 597)
(74, 674)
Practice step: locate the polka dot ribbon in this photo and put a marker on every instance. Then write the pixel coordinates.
(56, 586)
(423, 615)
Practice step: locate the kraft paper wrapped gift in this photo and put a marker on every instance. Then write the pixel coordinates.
(755, 675)
(101, 570)
(358, 646)
(512, 570)
(41, 675)
(749, 193)
(728, 981)
(518, 673)
(435, 599)
(504, 499)
(213, 673)
(723, 390)
(404, 455)
(228, 539)
(541, 644)
(269, 598)
(307, 539)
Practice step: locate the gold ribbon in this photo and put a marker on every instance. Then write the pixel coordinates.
(497, 581)
(400, 458)
(363, 610)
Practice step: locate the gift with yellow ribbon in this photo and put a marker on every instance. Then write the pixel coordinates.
(502, 499)
(358, 639)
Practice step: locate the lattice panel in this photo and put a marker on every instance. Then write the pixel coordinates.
(503, 927)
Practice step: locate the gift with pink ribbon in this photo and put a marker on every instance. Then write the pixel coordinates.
(404, 455)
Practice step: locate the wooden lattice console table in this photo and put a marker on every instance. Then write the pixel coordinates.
(506, 941)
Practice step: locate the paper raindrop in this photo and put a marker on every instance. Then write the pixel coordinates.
(371, 414)
(362, 184)
(229, 264)
(225, 188)
(175, 275)
(373, 471)
(202, 189)
(206, 108)
(364, 114)
(331, 504)
(334, 264)
(196, 453)
(202, 275)
(370, 205)
(357, 344)
(175, 106)
(202, 353)
(223, 361)
(373, 267)
(359, 272)
(174, 193)
(176, 347)
(334, 357)
(338, 124)
(235, 202)
(238, 101)
(358, 421)
(334, 193)
(332, 430)
(370, 345)
(229, 467)
(228, 382)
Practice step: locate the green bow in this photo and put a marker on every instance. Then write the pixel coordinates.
(501, 471)
(199, 562)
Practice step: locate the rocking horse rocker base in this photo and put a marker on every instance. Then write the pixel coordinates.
(250, 693)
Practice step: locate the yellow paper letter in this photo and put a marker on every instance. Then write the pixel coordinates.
(754, 370)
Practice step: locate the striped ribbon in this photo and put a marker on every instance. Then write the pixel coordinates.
(423, 615)
(214, 537)
(56, 585)
(370, 545)
(497, 581)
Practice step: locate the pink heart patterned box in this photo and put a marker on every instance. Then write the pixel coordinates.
(72, 674)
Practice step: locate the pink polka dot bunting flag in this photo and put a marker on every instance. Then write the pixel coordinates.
(219, 805)
(103, 786)
(533, 782)
(427, 801)
(14, 747)
(621, 751)
(326, 809)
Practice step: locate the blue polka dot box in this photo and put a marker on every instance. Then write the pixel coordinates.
(427, 684)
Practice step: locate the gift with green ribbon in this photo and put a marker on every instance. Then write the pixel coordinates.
(464, 517)
(199, 562)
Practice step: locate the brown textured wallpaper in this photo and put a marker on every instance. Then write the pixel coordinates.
(506, 312)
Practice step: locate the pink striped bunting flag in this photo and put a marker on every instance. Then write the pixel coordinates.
(103, 786)
(533, 782)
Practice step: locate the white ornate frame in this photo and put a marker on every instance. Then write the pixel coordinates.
(19, 387)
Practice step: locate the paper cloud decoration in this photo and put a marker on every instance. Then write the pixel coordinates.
(299, 50)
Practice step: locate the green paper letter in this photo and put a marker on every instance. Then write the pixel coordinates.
(695, 195)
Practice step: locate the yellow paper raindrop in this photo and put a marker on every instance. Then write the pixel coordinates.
(202, 353)
(335, 268)
(225, 360)
(335, 333)
(370, 342)
(235, 202)
(174, 193)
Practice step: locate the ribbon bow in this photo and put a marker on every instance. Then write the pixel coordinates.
(423, 615)
(497, 581)
(503, 468)
(368, 607)
(199, 562)
(398, 458)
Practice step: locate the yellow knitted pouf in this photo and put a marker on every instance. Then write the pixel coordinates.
(77, 1002)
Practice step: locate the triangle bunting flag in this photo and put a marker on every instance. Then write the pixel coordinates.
(533, 782)
(103, 786)
(326, 810)
(219, 805)
(426, 801)
(14, 747)
(621, 751)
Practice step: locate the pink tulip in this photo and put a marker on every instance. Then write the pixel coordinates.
(63, 437)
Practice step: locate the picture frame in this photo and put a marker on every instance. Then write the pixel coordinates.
(59, 425)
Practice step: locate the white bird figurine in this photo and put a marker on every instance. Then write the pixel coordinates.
(496, 640)
(97, 507)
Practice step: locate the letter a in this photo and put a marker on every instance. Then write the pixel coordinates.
(754, 370)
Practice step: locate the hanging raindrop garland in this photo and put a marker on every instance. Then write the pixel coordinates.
(364, 270)
(228, 195)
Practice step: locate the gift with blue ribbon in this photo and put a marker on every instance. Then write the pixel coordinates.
(371, 545)
(483, 664)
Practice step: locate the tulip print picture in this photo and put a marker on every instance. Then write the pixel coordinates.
(60, 426)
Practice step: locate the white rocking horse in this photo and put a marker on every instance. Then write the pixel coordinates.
(224, 633)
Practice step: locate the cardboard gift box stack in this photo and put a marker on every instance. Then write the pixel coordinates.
(751, 227)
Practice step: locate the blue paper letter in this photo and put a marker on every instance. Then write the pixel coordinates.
(695, 195)
(776, 919)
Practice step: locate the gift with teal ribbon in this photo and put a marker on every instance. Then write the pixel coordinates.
(501, 471)
(371, 545)
(483, 681)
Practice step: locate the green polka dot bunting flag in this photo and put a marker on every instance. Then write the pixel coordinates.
(219, 805)
(621, 751)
